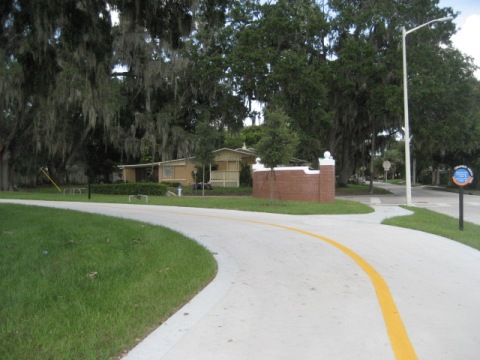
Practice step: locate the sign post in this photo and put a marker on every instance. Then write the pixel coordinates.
(386, 166)
(462, 176)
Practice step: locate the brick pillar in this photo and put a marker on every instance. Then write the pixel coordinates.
(327, 181)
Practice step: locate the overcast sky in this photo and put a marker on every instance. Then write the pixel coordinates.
(467, 40)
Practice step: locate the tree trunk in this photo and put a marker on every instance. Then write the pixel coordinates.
(272, 180)
(203, 182)
(5, 176)
(450, 177)
(345, 170)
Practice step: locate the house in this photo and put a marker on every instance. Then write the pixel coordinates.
(224, 171)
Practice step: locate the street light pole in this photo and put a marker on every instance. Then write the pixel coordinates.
(408, 177)
(406, 129)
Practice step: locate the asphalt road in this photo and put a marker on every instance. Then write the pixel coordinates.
(423, 196)
(316, 287)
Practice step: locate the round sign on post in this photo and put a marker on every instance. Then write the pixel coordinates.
(462, 176)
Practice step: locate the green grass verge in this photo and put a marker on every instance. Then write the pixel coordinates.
(246, 203)
(438, 224)
(83, 286)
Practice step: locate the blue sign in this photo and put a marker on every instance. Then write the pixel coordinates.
(462, 175)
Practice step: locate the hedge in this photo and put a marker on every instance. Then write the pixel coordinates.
(130, 189)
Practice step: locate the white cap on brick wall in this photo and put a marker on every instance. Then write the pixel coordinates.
(327, 159)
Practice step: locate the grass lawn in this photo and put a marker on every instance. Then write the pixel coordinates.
(83, 286)
(246, 203)
(439, 224)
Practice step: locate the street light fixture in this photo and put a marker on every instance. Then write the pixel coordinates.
(408, 178)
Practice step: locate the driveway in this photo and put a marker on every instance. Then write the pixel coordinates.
(316, 287)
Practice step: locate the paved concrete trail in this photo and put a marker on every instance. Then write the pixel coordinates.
(316, 287)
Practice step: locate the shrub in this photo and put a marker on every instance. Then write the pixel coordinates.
(170, 184)
(246, 175)
(219, 191)
(130, 189)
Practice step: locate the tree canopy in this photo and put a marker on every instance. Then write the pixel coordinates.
(77, 88)
(278, 143)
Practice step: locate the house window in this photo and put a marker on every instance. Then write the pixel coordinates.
(168, 171)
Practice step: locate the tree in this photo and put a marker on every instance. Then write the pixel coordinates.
(365, 81)
(246, 56)
(43, 43)
(445, 110)
(62, 54)
(251, 135)
(10, 128)
(278, 142)
(182, 58)
(279, 58)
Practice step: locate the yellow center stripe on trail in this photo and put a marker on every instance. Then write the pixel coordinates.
(399, 340)
(401, 345)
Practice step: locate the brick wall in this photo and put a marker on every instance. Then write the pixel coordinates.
(295, 183)
(326, 193)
